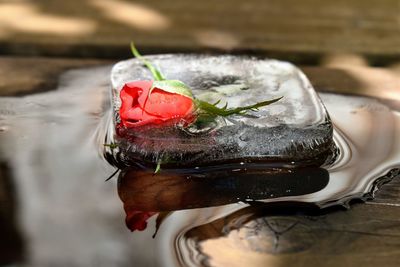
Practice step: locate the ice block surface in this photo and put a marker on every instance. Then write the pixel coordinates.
(295, 129)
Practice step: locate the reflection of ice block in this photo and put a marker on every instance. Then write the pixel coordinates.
(296, 129)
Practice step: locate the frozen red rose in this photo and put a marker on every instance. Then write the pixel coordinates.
(139, 107)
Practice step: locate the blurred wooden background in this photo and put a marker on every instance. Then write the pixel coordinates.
(298, 30)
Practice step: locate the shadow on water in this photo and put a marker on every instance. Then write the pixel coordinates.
(144, 194)
(11, 242)
(166, 191)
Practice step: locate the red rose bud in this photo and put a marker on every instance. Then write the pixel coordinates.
(148, 102)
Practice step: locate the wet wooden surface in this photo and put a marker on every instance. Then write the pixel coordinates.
(368, 234)
(343, 73)
(20, 76)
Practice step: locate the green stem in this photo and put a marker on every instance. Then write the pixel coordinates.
(111, 146)
(157, 75)
(224, 111)
(158, 167)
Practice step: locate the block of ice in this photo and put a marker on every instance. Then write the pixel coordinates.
(294, 130)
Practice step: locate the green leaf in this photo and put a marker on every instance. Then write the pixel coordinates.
(157, 75)
(224, 111)
(158, 168)
(173, 86)
(111, 146)
(113, 174)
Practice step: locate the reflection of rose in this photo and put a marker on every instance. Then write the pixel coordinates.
(137, 220)
(139, 107)
(167, 191)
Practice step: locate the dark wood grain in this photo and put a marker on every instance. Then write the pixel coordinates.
(389, 195)
(21, 76)
(25, 75)
(365, 235)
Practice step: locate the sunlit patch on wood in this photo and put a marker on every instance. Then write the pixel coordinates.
(132, 14)
(26, 18)
(217, 39)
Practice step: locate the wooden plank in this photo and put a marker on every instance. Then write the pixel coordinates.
(24, 75)
(365, 235)
(389, 195)
(20, 76)
(279, 27)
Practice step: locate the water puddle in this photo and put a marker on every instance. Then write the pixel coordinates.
(50, 145)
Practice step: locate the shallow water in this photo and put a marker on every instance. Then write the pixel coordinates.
(64, 214)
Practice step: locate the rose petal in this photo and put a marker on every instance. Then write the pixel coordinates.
(130, 93)
(142, 85)
(137, 117)
(166, 105)
(136, 114)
